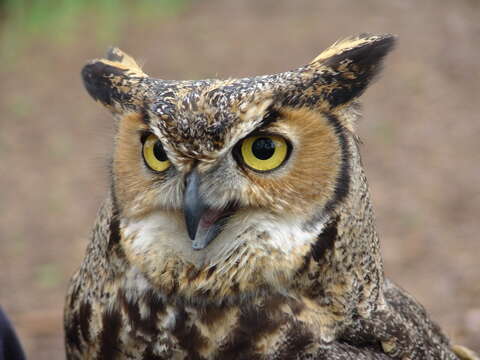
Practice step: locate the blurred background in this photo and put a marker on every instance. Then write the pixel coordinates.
(421, 132)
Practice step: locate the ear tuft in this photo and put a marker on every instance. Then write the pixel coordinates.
(356, 45)
(354, 62)
(114, 81)
(123, 60)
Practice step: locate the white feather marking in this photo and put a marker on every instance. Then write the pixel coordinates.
(135, 284)
(163, 234)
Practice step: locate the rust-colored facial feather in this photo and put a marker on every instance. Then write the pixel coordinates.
(131, 176)
(310, 174)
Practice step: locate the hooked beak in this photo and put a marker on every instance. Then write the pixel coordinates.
(203, 223)
(193, 205)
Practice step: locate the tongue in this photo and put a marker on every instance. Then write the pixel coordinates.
(209, 227)
(209, 217)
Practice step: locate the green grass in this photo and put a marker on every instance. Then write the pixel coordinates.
(24, 21)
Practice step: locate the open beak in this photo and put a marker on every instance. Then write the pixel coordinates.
(203, 223)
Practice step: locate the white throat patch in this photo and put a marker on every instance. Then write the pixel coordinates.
(163, 234)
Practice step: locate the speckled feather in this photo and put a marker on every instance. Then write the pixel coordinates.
(295, 274)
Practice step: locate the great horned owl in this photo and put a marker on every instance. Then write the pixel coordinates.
(239, 223)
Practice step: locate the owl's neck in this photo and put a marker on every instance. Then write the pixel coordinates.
(346, 264)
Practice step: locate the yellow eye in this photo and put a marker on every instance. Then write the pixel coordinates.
(264, 152)
(154, 154)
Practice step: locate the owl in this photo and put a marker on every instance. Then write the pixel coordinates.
(239, 224)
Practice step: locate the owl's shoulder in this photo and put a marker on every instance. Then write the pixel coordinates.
(401, 326)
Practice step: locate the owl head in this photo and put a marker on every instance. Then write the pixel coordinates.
(237, 177)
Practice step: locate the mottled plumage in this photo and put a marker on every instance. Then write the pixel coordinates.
(200, 253)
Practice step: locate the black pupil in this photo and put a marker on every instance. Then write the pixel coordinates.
(263, 148)
(159, 152)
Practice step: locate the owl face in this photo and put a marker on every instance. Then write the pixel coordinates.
(214, 172)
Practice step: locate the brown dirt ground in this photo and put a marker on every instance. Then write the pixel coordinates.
(421, 131)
